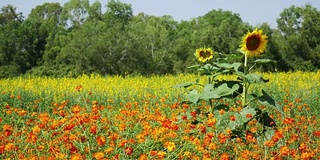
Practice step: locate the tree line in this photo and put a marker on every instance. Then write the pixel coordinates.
(78, 38)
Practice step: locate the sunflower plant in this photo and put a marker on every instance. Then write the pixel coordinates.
(216, 91)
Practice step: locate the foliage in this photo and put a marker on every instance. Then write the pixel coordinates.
(81, 37)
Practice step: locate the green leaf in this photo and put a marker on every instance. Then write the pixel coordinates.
(255, 78)
(184, 85)
(221, 91)
(269, 132)
(264, 61)
(193, 96)
(245, 111)
(194, 66)
(221, 106)
(265, 119)
(242, 51)
(234, 66)
(232, 125)
(208, 87)
(265, 99)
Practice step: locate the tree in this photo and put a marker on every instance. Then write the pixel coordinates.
(153, 39)
(10, 22)
(298, 37)
(75, 12)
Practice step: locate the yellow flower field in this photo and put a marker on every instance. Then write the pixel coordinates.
(95, 117)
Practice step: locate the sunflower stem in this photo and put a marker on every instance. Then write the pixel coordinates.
(244, 96)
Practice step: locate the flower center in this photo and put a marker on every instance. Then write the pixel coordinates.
(253, 42)
(205, 54)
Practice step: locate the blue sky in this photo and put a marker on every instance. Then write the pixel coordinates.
(252, 11)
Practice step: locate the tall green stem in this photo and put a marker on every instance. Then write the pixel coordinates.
(244, 100)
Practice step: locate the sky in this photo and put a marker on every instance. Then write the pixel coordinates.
(254, 12)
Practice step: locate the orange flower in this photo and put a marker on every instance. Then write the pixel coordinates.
(128, 151)
(98, 155)
(108, 150)
(93, 129)
(36, 130)
(288, 120)
(305, 156)
(101, 140)
(143, 157)
(2, 149)
(245, 154)
(248, 115)
(250, 138)
(232, 118)
(224, 156)
(9, 146)
(170, 146)
(303, 147)
(78, 88)
(161, 154)
(221, 111)
(75, 109)
(284, 150)
(269, 143)
(77, 156)
(222, 138)
(277, 136)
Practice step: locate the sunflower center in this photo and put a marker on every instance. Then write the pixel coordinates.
(205, 54)
(253, 42)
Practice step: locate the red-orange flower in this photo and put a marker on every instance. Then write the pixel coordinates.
(224, 156)
(77, 156)
(143, 157)
(284, 150)
(232, 118)
(98, 155)
(101, 140)
(128, 151)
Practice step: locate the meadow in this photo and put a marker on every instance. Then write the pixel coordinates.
(135, 117)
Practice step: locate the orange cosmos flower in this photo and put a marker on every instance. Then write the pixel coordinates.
(284, 150)
(78, 88)
(98, 155)
(36, 130)
(9, 146)
(161, 154)
(108, 150)
(93, 129)
(232, 118)
(101, 140)
(128, 151)
(75, 109)
(143, 157)
(77, 156)
(170, 146)
(224, 156)
(221, 111)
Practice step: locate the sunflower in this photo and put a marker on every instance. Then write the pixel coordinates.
(204, 54)
(254, 43)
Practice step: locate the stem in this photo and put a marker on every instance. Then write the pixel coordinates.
(244, 100)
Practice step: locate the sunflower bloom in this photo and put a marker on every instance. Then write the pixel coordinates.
(204, 54)
(254, 43)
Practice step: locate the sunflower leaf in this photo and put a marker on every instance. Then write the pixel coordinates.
(193, 96)
(194, 66)
(264, 61)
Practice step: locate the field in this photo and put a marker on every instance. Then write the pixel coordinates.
(94, 117)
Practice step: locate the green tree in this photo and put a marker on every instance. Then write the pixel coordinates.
(10, 22)
(75, 12)
(152, 38)
(298, 37)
